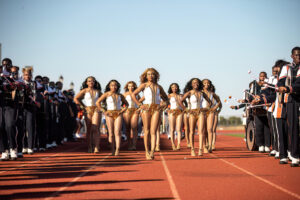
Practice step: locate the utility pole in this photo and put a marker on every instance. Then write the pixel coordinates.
(0, 52)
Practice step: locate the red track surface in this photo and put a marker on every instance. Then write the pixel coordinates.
(231, 172)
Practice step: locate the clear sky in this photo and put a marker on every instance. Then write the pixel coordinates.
(215, 39)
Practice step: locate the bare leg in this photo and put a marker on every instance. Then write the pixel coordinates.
(157, 146)
(153, 128)
(201, 122)
(210, 124)
(178, 129)
(134, 131)
(128, 129)
(215, 132)
(110, 127)
(146, 117)
(118, 127)
(88, 133)
(172, 124)
(186, 129)
(192, 124)
(95, 129)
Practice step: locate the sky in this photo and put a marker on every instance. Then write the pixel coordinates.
(214, 39)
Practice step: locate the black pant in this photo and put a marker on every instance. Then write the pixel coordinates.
(10, 118)
(21, 131)
(273, 131)
(3, 135)
(281, 128)
(293, 127)
(29, 120)
(40, 130)
(262, 131)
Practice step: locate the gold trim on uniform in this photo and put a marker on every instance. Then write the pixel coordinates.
(131, 111)
(196, 112)
(113, 113)
(175, 112)
(90, 110)
(152, 108)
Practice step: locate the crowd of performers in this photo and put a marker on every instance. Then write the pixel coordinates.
(198, 107)
(37, 114)
(275, 103)
(34, 114)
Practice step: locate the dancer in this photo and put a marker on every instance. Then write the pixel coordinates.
(197, 112)
(175, 114)
(113, 113)
(210, 115)
(131, 115)
(151, 110)
(90, 93)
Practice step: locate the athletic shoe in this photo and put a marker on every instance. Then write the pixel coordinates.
(283, 161)
(77, 135)
(42, 149)
(295, 162)
(277, 155)
(289, 156)
(30, 151)
(267, 149)
(25, 150)
(261, 149)
(54, 144)
(34, 149)
(65, 139)
(5, 156)
(13, 154)
(272, 153)
(20, 155)
(48, 146)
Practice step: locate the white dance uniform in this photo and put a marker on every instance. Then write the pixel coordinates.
(197, 103)
(131, 103)
(88, 100)
(151, 98)
(112, 105)
(174, 104)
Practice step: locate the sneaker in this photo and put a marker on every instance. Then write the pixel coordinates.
(5, 156)
(25, 150)
(261, 149)
(20, 155)
(295, 162)
(34, 149)
(30, 151)
(277, 155)
(65, 139)
(267, 149)
(289, 156)
(48, 146)
(13, 154)
(77, 135)
(42, 149)
(272, 153)
(54, 144)
(283, 161)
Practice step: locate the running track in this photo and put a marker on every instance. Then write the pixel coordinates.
(231, 172)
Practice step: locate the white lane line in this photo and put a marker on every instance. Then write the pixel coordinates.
(55, 194)
(19, 166)
(257, 177)
(170, 179)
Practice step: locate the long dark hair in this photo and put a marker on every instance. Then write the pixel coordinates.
(97, 85)
(189, 86)
(118, 86)
(210, 84)
(170, 88)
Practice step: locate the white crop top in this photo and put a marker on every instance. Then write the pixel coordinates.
(174, 104)
(112, 105)
(88, 100)
(151, 98)
(195, 102)
(131, 103)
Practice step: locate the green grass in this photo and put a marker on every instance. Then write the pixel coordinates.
(236, 135)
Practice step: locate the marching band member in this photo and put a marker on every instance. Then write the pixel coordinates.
(151, 110)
